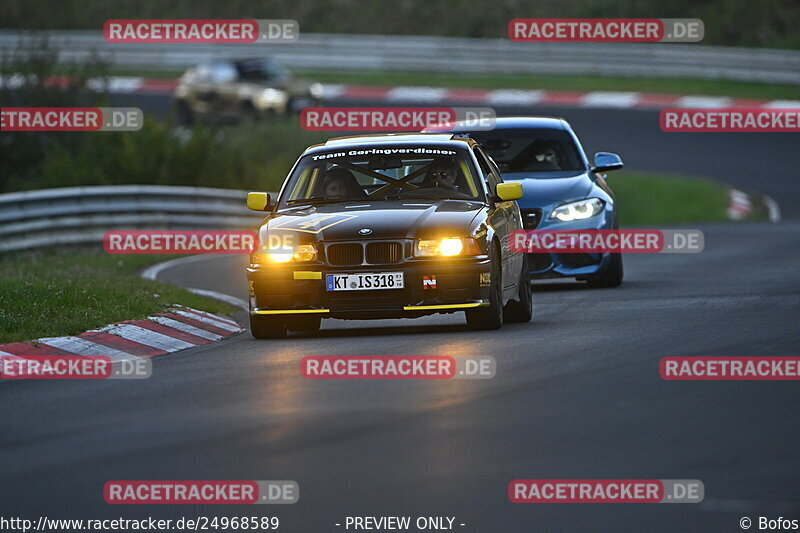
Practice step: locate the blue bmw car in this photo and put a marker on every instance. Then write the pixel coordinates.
(562, 190)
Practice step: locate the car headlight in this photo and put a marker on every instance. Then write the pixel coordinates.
(448, 247)
(272, 97)
(302, 253)
(579, 210)
(315, 90)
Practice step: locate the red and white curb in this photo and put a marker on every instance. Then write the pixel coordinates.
(538, 97)
(175, 329)
(741, 205)
(440, 95)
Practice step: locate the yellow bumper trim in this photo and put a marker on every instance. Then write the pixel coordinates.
(447, 306)
(289, 311)
(305, 274)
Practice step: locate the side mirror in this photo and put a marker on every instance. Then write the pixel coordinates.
(509, 191)
(258, 201)
(605, 161)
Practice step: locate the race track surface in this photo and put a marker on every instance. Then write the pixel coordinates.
(577, 395)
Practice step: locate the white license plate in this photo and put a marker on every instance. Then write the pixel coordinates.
(364, 282)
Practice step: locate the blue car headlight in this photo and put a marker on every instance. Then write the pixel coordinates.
(580, 210)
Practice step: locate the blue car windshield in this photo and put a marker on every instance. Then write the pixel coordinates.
(530, 150)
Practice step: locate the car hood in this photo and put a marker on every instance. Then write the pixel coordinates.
(385, 220)
(541, 189)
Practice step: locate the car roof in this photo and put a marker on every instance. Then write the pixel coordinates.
(521, 122)
(354, 141)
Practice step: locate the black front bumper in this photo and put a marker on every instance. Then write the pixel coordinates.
(297, 289)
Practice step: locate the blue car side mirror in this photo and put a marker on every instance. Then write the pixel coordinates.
(605, 161)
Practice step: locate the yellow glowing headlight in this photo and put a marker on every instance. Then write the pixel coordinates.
(301, 253)
(447, 247)
(305, 252)
(450, 247)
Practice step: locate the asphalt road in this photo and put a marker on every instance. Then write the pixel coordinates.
(577, 392)
(577, 395)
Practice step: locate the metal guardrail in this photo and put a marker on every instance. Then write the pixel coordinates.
(82, 215)
(333, 52)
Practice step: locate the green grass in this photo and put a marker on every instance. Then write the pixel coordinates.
(645, 199)
(48, 294)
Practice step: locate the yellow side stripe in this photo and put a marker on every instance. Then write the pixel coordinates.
(288, 311)
(448, 306)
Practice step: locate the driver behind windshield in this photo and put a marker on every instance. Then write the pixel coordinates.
(338, 182)
(441, 174)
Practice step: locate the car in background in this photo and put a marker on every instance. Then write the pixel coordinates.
(562, 191)
(388, 226)
(228, 91)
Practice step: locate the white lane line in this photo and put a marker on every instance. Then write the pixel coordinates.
(207, 320)
(182, 326)
(773, 208)
(332, 90)
(224, 298)
(80, 346)
(148, 337)
(152, 273)
(783, 104)
(610, 99)
(514, 96)
(416, 94)
(703, 102)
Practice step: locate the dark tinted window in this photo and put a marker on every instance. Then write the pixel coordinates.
(261, 70)
(530, 150)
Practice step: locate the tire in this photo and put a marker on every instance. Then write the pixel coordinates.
(521, 310)
(307, 324)
(491, 317)
(267, 327)
(610, 276)
(185, 116)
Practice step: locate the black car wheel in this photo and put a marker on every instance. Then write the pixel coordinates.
(184, 114)
(610, 276)
(307, 324)
(490, 317)
(267, 327)
(521, 310)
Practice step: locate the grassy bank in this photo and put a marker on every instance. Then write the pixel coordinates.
(47, 294)
(646, 199)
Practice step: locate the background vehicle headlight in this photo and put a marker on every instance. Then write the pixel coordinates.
(315, 90)
(579, 210)
(272, 97)
(447, 247)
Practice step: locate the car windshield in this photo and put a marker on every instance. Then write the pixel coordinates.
(530, 149)
(385, 173)
(261, 70)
